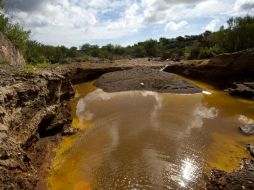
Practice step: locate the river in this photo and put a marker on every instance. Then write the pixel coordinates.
(149, 140)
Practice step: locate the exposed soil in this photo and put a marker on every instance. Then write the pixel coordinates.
(232, 72)
(9, 53)
(145, 79)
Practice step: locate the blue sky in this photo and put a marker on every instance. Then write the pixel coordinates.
(124, 22)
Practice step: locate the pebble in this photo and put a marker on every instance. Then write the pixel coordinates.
(70, 131)
(3, 136)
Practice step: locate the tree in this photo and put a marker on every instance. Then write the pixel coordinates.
(151, 48)
(14, 32)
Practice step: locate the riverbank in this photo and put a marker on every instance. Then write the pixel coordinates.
(231, 72)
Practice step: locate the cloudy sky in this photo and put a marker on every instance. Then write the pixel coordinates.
(75, 22)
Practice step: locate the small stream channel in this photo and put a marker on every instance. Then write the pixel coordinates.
(149, 140)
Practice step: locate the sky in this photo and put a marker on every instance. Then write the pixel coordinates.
(123, 22)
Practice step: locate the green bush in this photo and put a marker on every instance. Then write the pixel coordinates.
(14, 32)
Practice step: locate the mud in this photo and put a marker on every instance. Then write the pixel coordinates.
(145, 79)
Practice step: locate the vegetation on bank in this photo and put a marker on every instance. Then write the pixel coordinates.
(13, 31)
(239, 35)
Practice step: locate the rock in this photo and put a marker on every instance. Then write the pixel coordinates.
(250, 148)
(9, 53)
(247, 129)
(3, 128)
(3, 136)
(69, 130)
(244, 89)
(244, 177)
(4, 155)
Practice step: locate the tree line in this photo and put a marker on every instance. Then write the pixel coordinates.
(239, 35)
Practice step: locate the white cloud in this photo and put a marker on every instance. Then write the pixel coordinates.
(172, 26)
(131, 20)
(74, 22)
(211, 26)
(246, 6)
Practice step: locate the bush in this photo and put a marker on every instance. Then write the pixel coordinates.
(14, 32)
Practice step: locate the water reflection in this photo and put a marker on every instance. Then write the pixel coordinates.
(207, 92)
(188, 171)
(145, 140)
(245, 120)
(143, 133)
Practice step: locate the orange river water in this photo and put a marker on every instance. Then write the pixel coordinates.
(148, 140)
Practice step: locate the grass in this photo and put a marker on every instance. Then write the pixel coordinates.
(3, 61)
(42, 65)
(30, 69)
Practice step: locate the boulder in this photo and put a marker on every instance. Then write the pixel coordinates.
(248, 129)
(243, 89)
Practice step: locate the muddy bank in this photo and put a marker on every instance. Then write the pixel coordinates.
(32, 108)
(35, 114)
(240, 179)
(145, 79)
(232, 72)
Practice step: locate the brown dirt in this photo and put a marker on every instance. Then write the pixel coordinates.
(238, 180)
(145, 79)
(9, 53)
(232, 72)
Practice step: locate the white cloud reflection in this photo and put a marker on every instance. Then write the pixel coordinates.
(172, 116)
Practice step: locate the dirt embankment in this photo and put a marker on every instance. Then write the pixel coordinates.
(32, 107)
(233, 72)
